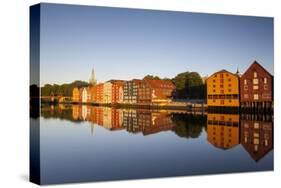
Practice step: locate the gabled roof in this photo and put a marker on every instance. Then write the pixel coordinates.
(221, 71)
(256, 63)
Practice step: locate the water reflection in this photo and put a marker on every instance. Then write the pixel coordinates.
(257, 135)
(87, 143)
(223, 131)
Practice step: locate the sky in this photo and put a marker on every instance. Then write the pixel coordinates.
(124, 43)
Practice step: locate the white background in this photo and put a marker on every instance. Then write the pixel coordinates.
(14, 74)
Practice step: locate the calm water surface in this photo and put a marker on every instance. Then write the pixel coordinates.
(86, 143)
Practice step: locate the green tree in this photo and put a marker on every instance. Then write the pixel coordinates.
(152, 77)
(189, 85)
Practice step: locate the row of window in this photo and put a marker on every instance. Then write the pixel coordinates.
(222, 80)
(222, 101)
(234, 96)
(255, 87)
(256, 81)
(257, 96)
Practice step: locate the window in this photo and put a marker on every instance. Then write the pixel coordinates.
(256, 96)
(229, 90)
(255, 74)
(245, 87)
(246, 96)
(214, 80)
(229, 85)
(245, 82)
(214, 90)
(229, 79)
(256, 135)
(265, 80)
(256, 125)
(221, 86)
(255, 87)
(265, 87)
(255, 81)
(214, 86)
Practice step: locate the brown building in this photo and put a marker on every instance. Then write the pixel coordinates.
(130, 91)
(256, 87)
(117, 91)
(155, 91)
(223, 130)
(256, 137)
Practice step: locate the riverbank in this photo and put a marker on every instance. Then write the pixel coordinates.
(188, 106)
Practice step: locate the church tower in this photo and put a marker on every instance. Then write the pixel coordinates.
(93, 80)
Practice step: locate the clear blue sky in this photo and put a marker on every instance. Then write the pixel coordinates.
(131, 43)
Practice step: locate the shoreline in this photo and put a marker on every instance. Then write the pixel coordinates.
(199, 107)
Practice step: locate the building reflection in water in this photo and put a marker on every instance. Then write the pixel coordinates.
(257, 135)
(223, 130)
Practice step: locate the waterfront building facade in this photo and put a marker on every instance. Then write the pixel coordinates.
(107, 92)
(117, 91)
(256, 87)
(98, 93)
(130, 91)
(223, 89)
(155, 91)
(75, 95)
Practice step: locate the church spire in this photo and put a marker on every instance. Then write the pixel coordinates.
(238, 73)
(93, 80)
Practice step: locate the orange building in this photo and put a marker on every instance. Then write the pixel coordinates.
(75, 95)
(98, 93)
(117, 96)
(223, 89)
(223, 130)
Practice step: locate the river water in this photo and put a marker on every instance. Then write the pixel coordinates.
(85, 143)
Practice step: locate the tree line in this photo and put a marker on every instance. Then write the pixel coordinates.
(63, 89)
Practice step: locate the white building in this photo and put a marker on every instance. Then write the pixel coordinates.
(107, 92)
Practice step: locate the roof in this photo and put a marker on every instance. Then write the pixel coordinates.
(223, 70)
(259, 65)
(160, 83)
